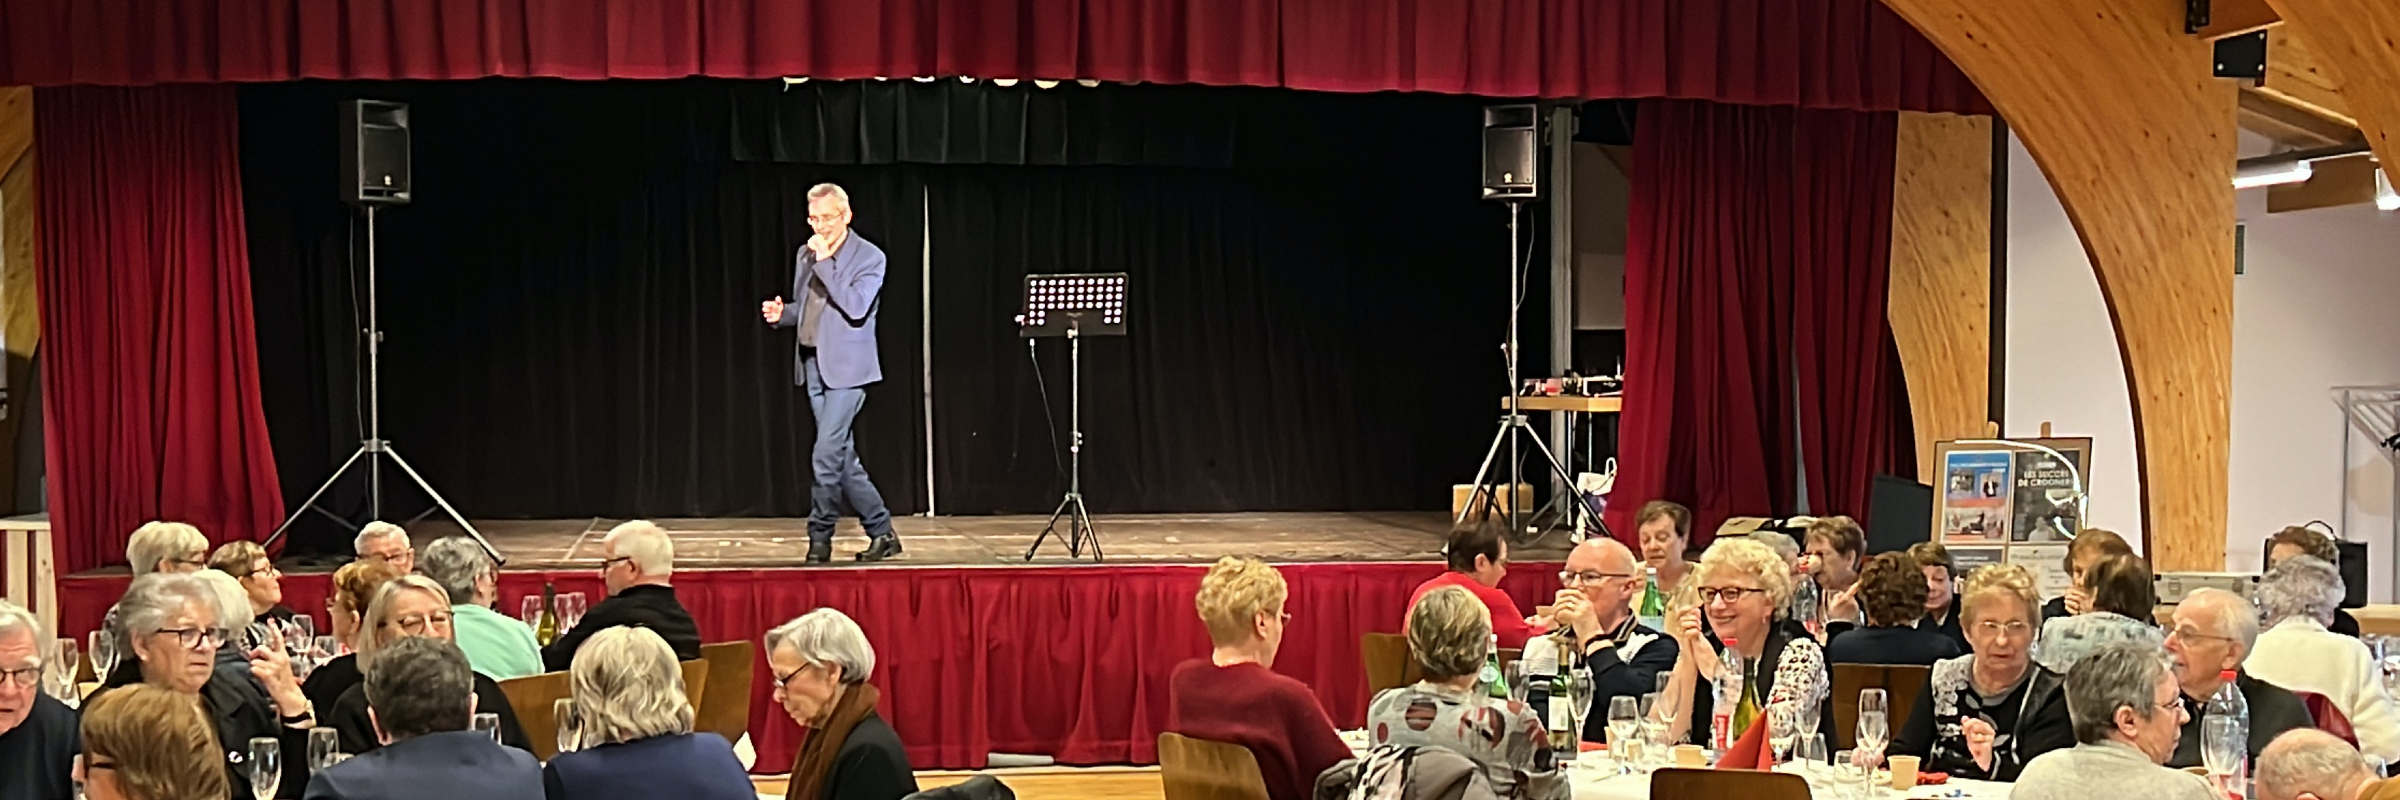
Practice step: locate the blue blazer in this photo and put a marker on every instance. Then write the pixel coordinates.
(846, 330)
(455, 765)
(683, 766)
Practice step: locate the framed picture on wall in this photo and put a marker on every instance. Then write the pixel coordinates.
(2013, 504)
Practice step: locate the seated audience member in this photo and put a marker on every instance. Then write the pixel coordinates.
(235, 615)
(424, 701)
(1837, 549)
(1739, 584)
(354, 587)
(2214, 630)
(1234, 694)
(1891, 594)
(2088, 548)
(2128, 715)
(1449, 632)
(2301, 540)
(2117, 603)
(1984, 714)
(166, 547)
(260, 580)
(1625, 657)
(37, 732)
(171, 634)
(1941, 591)
(1478, 558)
(2298, 597)
(637, 563)
(148, 743)
(821, 662)
(2310, 764)
(637, 729)
(499, 646)
(1664, 529)
(388, 543)
(408, 607)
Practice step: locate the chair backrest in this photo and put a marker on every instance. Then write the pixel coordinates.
(2329, 716)
(535, 699)
(1718, 784)
(1198, 769)
(1388, 663)
(695, 685)
(1901, 683)
(725, 711)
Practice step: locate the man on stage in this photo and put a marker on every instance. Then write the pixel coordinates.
(834, 299)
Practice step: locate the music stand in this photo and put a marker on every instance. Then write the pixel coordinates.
(1073, 305)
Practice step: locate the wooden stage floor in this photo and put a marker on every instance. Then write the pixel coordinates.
(1002, 540)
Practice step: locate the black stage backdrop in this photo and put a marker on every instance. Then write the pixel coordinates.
(571, 302)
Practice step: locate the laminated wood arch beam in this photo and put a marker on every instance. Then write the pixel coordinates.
(2357, 44)
(2116, 104)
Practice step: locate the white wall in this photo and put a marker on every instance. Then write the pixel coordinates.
(2313, 309)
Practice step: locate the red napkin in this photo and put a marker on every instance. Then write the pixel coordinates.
(1750, 751)
(1590, 747)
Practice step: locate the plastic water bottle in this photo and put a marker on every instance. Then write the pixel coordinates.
(2228, 703)
(1652, 612)
(1728, 697)
(1493, 678)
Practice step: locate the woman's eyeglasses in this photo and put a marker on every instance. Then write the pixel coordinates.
(1732, 594)
(198, 638)
(418, 625)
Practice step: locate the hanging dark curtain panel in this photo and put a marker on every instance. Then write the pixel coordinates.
(1850, 54)
(1757, 257)
(572, 298)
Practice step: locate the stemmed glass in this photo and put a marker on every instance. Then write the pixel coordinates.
(58, 673)
(1624, 719)
(266, 767)
(1874, 726)
(487, 723)
(324, 748)
(1654, 732)
(104, 654)
(570, 610)
(1813, 758)
(563, 712)
(529, 609)
(1783, 725)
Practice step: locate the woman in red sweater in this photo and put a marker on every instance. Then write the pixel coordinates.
(1235, 696)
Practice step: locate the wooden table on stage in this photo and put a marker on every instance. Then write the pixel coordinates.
(1608, 404)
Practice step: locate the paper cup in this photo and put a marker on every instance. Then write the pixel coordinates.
(1904, 772)
(1690, 756)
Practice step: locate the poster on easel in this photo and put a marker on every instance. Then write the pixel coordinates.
(2012, 505)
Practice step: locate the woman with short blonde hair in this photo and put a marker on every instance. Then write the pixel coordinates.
(354, 588)
(146, 743)
(1234, 694)
(636, 728)
(410, 605)
(1450, 635)
(1738, 587)
(1985, 714)
(166, 547)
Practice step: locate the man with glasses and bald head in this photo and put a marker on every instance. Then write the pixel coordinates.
(2214, 630)
(1625, 657)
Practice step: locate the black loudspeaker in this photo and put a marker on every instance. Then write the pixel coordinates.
(1512, 152)
(374, 152)
(1899, 514)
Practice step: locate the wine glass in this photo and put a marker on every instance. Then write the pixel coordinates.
(575, 604)
(323, 745)
(487, 723)
(104, 654)
(1654, 732)
(563, 712)
(266, 767)
(1783, 725)
(58, 673)
(529, 609)
(1624, 719)
(1812, 755)
(2220, 747)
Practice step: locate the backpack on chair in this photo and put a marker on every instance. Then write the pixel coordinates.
(1405, 773)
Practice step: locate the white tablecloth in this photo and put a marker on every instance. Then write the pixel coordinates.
(1591, 785)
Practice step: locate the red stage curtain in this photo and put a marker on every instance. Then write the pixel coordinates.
(1755, 271)
(1066, 661)
(151, 400)
(1815, 53)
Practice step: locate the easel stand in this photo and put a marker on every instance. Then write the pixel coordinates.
(373, 449)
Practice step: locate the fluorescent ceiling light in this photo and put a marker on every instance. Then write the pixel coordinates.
(2271, 174)
(2385, 198)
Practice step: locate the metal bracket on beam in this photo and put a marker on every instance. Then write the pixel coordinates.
(2195, 15)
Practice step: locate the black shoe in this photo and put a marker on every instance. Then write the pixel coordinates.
(820, 553)
(880, 549)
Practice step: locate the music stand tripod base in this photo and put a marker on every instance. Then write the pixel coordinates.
(1073, 306)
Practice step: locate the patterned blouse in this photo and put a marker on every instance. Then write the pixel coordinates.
(1504, 737)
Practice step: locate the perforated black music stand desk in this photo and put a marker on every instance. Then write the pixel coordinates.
(1073, 306)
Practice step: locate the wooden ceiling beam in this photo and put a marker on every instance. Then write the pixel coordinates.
(2294, 77)
(2292, 124)
(2349, 180)
(2229, 18)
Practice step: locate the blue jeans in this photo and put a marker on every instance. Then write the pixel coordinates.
(838, 479)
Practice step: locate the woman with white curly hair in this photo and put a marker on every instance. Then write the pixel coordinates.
(2297, 598)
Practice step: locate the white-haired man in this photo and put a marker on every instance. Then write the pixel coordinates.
(38, 739)
(2213, 631)
(637, 563)
(2310, 764)
(1625, 657)
(388, 543)
(834, 288)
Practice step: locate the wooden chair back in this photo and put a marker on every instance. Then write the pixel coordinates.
(1198, 769)
(695, 683)
(1388, 663)
(725, 711)
(535, 699)
(1901, 683)
(1718, 784)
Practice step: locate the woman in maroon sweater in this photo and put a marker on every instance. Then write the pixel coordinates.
(1235, 696)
